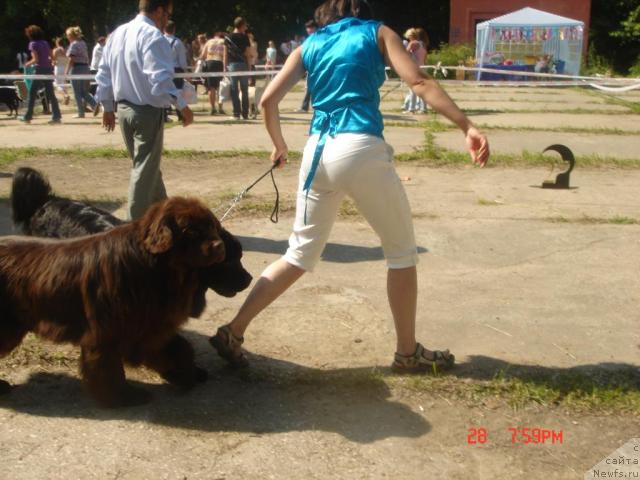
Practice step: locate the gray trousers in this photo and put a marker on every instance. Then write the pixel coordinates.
(143, 128)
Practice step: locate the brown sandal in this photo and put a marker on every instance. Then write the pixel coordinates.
(228, 347)
(420, 363)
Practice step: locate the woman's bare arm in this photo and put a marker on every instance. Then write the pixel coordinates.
(291, 73)
(431, 92)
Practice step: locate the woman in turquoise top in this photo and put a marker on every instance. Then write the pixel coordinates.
(347, 155)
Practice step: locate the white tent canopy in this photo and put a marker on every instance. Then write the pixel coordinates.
(528, 33)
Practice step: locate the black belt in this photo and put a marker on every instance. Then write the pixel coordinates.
(134, 105)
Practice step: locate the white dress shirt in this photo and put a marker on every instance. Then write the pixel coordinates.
(178, 51)
(96, 56)
(137, 66)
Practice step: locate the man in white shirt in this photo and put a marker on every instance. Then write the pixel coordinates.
(136, 71)
(96, 54)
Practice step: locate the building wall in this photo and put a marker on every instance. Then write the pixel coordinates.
(465, 14)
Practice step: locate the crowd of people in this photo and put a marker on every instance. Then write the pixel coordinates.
(236, 51)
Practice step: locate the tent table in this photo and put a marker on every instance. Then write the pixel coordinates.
(508, 68)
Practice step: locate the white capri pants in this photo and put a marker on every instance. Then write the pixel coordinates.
(360, 166)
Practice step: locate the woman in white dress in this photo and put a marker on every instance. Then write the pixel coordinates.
(60, 61)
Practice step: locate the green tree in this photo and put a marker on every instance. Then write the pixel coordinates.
(614, 32)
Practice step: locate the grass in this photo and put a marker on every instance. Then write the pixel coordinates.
(436, 126)
(597, 390)
(33, 351)
(10, 155)
(611, 99)
(250, 205)
(432, 155)
(600, 391)
(588, 220)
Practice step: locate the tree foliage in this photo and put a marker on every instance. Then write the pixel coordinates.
(268, 19)
(615, 24)
(615, 32)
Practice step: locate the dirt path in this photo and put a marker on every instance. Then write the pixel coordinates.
(513, 277)
(532, 286)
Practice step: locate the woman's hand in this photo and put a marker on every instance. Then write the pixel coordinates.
(478, 146)
(279, 156)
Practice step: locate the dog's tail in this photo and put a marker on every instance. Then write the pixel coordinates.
(29, 191)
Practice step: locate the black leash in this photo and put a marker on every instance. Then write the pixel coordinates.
(238, 197)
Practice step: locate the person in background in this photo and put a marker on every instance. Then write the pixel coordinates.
(214, 59)
(179, 55)
(96, 56)
(41, 59)
(252, 57)
(418, 53)
(78, 56)
(21, 59)
(189, 49)
(346, 154)
(271, 57)
(285, 48)
(137, 72)
(311, 26)
(202, 40)
(195, 49)
(424, 38)
(60, 61)
(238, 61)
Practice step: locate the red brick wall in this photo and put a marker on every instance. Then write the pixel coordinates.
(466, 13)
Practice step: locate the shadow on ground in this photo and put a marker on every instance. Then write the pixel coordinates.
(274, 396)
(333, 252)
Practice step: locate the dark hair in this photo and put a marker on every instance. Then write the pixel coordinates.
(171, 27)
(101, 39)
(34, 32)
(333, 10)
(239, 22)
(310, 24)
(150, 6)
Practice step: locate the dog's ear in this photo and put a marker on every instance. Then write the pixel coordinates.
(158, 237)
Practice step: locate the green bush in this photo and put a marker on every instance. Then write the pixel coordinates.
(634, 71)
(452, 55)
(596, 63)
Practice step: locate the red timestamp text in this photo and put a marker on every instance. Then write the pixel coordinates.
(523, 435)
(536, 435)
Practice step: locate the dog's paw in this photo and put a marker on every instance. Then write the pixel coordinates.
(5, 387)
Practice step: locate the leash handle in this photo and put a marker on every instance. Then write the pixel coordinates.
(276, 208)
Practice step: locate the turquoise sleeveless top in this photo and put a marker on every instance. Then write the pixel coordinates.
(345, 71)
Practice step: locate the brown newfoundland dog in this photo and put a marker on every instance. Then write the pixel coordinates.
(121, 295)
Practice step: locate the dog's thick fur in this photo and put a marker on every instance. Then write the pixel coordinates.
(37, 212)
(9, 97)
(121, 295)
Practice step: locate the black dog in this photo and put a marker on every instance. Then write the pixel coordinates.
(9, 97)
(37, 212)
